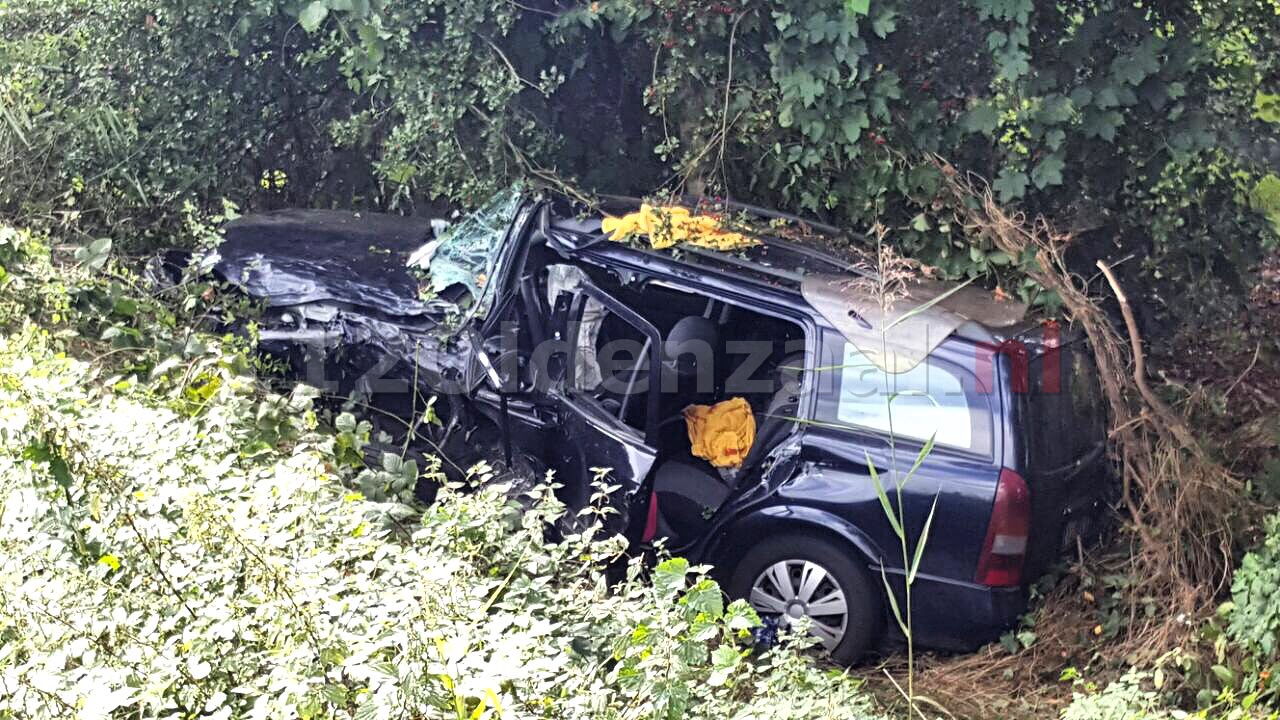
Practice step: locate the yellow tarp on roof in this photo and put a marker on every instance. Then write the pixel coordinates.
(668, 226)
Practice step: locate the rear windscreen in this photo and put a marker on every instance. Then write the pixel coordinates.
(1064, 412)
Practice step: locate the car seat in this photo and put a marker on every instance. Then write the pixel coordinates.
(689, 490)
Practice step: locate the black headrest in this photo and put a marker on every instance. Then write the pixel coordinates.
(692, 341)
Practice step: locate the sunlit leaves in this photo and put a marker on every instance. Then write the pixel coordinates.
(313, 15)
(857, 7)
(1266, 107)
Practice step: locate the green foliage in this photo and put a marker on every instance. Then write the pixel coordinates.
(181, 543)
(1266, 107)
(1129, 698)
(1255, 597)
(1265, 198)
(1139, 695)
(1136, 125)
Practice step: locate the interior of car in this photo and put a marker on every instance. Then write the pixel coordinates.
(711, 351)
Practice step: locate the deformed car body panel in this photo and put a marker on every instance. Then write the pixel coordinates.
(293, 257)
(897, 327)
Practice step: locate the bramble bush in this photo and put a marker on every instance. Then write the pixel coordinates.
(178, 543)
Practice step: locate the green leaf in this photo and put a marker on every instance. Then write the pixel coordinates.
(1013, 61)
(1103, 124)
(1010, 186)
(928, 445)
(1056, 109)
(1266, 107)
(857, 7)
(853, 125)
(785, 117)
(1140, 64)
(668, 576)
(1081, 96)
(313, 15)
(922, 542)
(885, 23)
(1016, 10)
(893, 601)
(1048, 171)
(982, 119)
(884, 498)
(1224, 675)
(1106, 97)
(706, 598)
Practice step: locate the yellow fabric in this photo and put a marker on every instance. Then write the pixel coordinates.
(721, 434)
(667, 226)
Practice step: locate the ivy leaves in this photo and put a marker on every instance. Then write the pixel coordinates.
(1048, 171)
(313, 15)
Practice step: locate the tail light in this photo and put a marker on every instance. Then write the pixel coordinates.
(1005, 549)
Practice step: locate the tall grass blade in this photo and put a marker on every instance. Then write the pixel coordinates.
(925, 306)
(884, 498)
(921, 542)
(920, 457)
(893, 602)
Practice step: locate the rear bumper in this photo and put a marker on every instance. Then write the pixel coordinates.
(951, 615)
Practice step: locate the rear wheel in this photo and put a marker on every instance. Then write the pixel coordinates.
(793, 576)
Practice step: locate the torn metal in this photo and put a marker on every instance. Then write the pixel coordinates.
(899, 331)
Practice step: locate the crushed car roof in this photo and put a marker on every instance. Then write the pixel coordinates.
(896, 335)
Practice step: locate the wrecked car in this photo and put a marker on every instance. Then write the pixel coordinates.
(746, 394)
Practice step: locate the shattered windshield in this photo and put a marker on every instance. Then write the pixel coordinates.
(467, 252)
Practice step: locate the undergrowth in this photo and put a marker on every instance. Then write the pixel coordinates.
(180, 543)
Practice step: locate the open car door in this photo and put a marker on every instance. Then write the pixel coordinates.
(595, 438)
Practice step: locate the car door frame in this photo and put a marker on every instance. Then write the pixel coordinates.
(582, 422)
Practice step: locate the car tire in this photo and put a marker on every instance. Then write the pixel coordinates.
(818, 572)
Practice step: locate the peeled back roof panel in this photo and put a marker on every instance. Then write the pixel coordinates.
(900, 331)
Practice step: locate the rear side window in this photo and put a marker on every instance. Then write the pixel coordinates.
(935, 399)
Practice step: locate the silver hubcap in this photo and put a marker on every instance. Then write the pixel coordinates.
(792, 589)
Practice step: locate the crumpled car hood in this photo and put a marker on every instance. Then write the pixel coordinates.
(291, 257)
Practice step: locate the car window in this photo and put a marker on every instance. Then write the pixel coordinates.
(1065, 410)
(467, 252)
(934, 399)
(611, 351)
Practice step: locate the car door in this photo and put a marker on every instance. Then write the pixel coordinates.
(593, 438)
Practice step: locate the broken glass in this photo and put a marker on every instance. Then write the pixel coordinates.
(466, 253)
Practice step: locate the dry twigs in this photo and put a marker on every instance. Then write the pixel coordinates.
(1180, 506)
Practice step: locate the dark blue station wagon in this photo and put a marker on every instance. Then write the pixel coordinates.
(559, 350)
